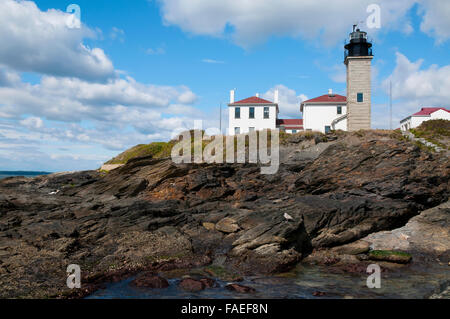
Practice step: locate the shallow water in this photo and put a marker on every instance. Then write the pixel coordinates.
(408, 283)
(6, 174)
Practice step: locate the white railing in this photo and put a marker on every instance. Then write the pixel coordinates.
(335, 121)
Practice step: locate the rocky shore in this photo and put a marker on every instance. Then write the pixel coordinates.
(348, 194)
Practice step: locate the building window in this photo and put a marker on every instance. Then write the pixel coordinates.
(294, 131)
(237, 113)
(251, 114)
(327, 129)
(339, 110)
(360, 97)
(237, 130)
(266, 112)
(251, 129)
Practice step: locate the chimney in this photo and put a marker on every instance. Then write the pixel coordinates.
(232, 96)
(330, 92)
(257, 95)
(276, 97)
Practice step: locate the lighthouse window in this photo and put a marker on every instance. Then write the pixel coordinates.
(360, 97)
(339, 110)
(237, 113)
(251, 113)
(266, 112)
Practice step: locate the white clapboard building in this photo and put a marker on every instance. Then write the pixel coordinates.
(252, 114)
(425, 114)
(256, 114)
(325, 113)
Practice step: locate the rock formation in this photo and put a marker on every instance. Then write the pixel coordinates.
(152, 215)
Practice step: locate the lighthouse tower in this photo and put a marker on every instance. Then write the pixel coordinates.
(358, 59)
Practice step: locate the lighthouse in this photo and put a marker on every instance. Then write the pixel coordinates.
(358, 60)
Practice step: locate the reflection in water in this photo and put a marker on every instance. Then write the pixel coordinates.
(304, 282)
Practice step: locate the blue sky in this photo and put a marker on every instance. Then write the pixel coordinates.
(135, 72)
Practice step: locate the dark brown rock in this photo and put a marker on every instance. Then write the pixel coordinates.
(147, 280)
(208, 282)
(356, 248)
(227, 225)
(240, 289)
(191, 285)
(148, 214)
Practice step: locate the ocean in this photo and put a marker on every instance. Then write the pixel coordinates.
(5, 174)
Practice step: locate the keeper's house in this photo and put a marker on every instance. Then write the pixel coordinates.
(256, 114)
(425, 114)
(325, 113)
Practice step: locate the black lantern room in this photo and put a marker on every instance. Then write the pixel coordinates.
(358, 45)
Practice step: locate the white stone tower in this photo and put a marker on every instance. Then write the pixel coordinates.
(358, 59)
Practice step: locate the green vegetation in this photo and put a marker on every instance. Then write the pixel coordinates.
(434, 131)
(164, 149)
(391, 256)
(156, 150)
(397, 134)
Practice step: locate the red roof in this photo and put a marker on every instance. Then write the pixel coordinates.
(327, 98)
(253, 100)
(292, 127)
(429, 110)
(290, 122)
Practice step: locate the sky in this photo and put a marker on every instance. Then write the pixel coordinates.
(83, 80)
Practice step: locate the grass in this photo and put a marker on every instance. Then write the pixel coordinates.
(434, 131)
(390, 256)
(156, 149)
(164, 149)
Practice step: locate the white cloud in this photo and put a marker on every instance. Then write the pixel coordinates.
(115, 115)
(71, 99)
(8, 78)
(414, 87)
(80, 101)
(411, 82)
(32, 122)
(436, 21)
(212, 61)
(289, 101)
(253, 22)
(42, 42)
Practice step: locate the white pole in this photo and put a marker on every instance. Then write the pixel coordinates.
(390, 105)
(220, 112)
